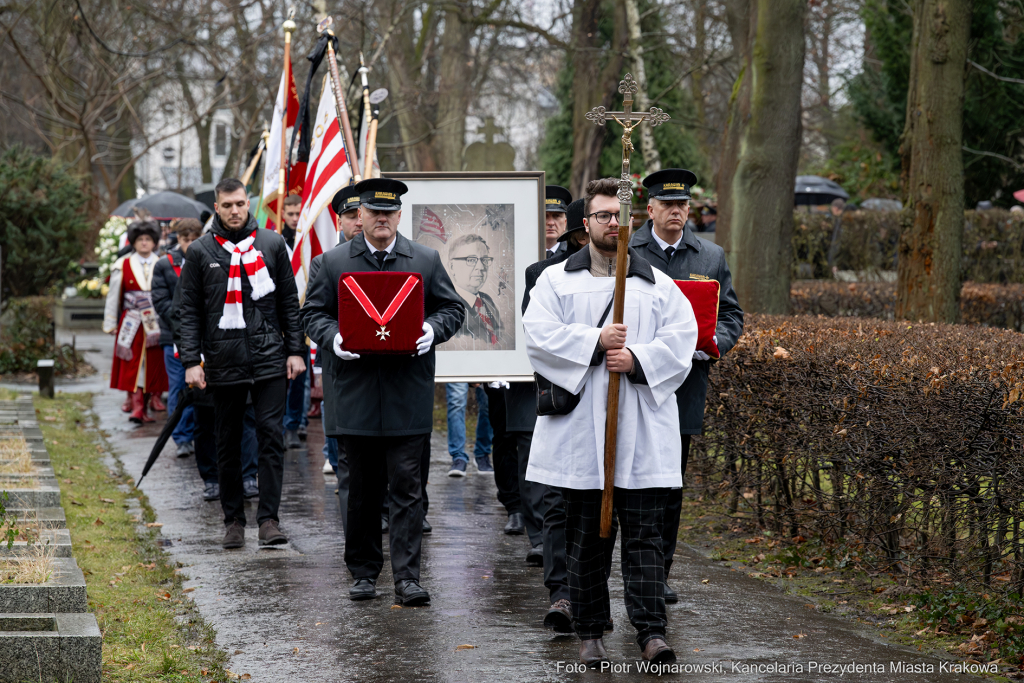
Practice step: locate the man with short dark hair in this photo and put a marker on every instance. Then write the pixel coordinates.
(570, 345)
(556, 199)
(672, 248)
(240, 318)
(292, 210)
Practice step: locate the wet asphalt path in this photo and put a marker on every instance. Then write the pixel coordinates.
(284, 614)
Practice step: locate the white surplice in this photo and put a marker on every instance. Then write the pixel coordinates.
(568, 450)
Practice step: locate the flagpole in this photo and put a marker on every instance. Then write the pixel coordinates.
(339, 100)
(256, 159)
(288, 27)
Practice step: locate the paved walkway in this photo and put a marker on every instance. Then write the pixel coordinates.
(284, 615)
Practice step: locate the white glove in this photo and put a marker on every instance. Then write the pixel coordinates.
(700, 355)
(498, 385)
(424, 343)
(344, 355)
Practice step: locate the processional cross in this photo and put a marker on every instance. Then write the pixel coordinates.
(629, 120)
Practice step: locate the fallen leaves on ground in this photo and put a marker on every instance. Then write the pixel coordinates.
(154, 525)
(465, 646)
(800, 635)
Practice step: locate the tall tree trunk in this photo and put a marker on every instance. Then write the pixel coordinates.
(202, 124)
(652, 159)
(761, 150)
(697, 77)
(928, 287)
(592, 85)
(404, 64)
(453, 92)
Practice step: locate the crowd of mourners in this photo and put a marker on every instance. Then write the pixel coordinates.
(212, 316)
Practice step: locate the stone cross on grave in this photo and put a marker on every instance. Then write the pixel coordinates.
(629, 120)
(489, 155)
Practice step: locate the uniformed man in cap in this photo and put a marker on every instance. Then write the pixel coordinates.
(670, 246)
(556, 200)
(346, 204)
(382, 406)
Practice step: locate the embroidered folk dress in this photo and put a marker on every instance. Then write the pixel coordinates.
(145, 370)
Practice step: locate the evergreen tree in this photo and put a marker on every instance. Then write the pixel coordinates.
(992, 121)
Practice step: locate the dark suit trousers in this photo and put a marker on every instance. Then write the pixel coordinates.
(205, 441)
(673, 509)
(382, 466)
(640, 514)
(268, 401)
(503, 453)
(553, 513)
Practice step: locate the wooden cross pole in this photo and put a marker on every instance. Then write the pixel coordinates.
(629, 120)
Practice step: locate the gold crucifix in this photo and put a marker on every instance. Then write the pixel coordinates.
(629, 120)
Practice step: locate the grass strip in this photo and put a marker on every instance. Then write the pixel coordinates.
(151, 628)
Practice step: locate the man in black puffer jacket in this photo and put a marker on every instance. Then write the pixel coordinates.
(240, 317)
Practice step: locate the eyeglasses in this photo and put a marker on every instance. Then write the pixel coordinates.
(471, 261)
(603, 217)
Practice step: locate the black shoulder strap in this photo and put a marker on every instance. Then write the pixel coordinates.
(607, 308)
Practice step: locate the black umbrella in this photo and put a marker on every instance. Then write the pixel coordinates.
(124, 210)
(166, 206)
(813, 190)
(185, 399)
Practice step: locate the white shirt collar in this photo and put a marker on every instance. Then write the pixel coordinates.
(663, 244)
(387, 249)
(148, 260)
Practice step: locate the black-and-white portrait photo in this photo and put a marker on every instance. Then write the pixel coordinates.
(477, 247)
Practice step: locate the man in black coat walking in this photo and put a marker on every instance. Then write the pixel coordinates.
(381, 406)
(670, 246)
(240, 312)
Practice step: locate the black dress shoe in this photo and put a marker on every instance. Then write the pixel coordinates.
(426, 526)
(657, 651)
(535, 556)
(592, 653)
(363, 589)
(409, 593)
(291, 440)
(670, 595)
(559, 617)
(516, 524)
(385, 526)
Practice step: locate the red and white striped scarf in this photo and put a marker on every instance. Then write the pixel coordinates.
(242, 253)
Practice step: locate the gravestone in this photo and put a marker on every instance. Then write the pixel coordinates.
(489, 155)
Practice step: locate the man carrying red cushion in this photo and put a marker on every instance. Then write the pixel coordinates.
(381, 406)
(666, 242)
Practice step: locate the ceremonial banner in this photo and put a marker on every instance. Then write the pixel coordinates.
(326, 173)
(267, 213)
(703, 297)
(487, 227)
(380, 313)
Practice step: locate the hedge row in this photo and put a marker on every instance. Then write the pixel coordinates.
(980, 304)
(993, 244)
(901, 441)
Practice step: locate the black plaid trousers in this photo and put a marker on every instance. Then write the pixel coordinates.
(640, 515)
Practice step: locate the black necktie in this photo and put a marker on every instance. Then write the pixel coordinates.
(669, 251)
(380, 256)
(551, 252)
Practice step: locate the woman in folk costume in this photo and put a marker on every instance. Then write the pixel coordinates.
(138, 366)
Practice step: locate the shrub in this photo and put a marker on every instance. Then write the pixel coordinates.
(42, 221)
(980, 304)
(26, 336)
(993, 244)
(903, 440)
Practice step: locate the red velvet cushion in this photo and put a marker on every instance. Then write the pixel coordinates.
(360, 332)
(703, 296)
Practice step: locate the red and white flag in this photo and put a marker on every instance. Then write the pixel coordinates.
(272, 155)
(326, 173)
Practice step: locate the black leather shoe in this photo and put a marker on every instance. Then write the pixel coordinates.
(592, 653)
(516, 524)
(385, 526)
(559, 617)
(535, 556)
(363, 589)
(657, 651)
(426, 526)
(409, 593)
(670, 595)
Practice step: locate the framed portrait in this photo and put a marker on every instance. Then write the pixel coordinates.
(488, 227)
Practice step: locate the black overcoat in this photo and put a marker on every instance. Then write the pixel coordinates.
(165, 279)
(696, 259)
(379, 395)
(272, 331)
